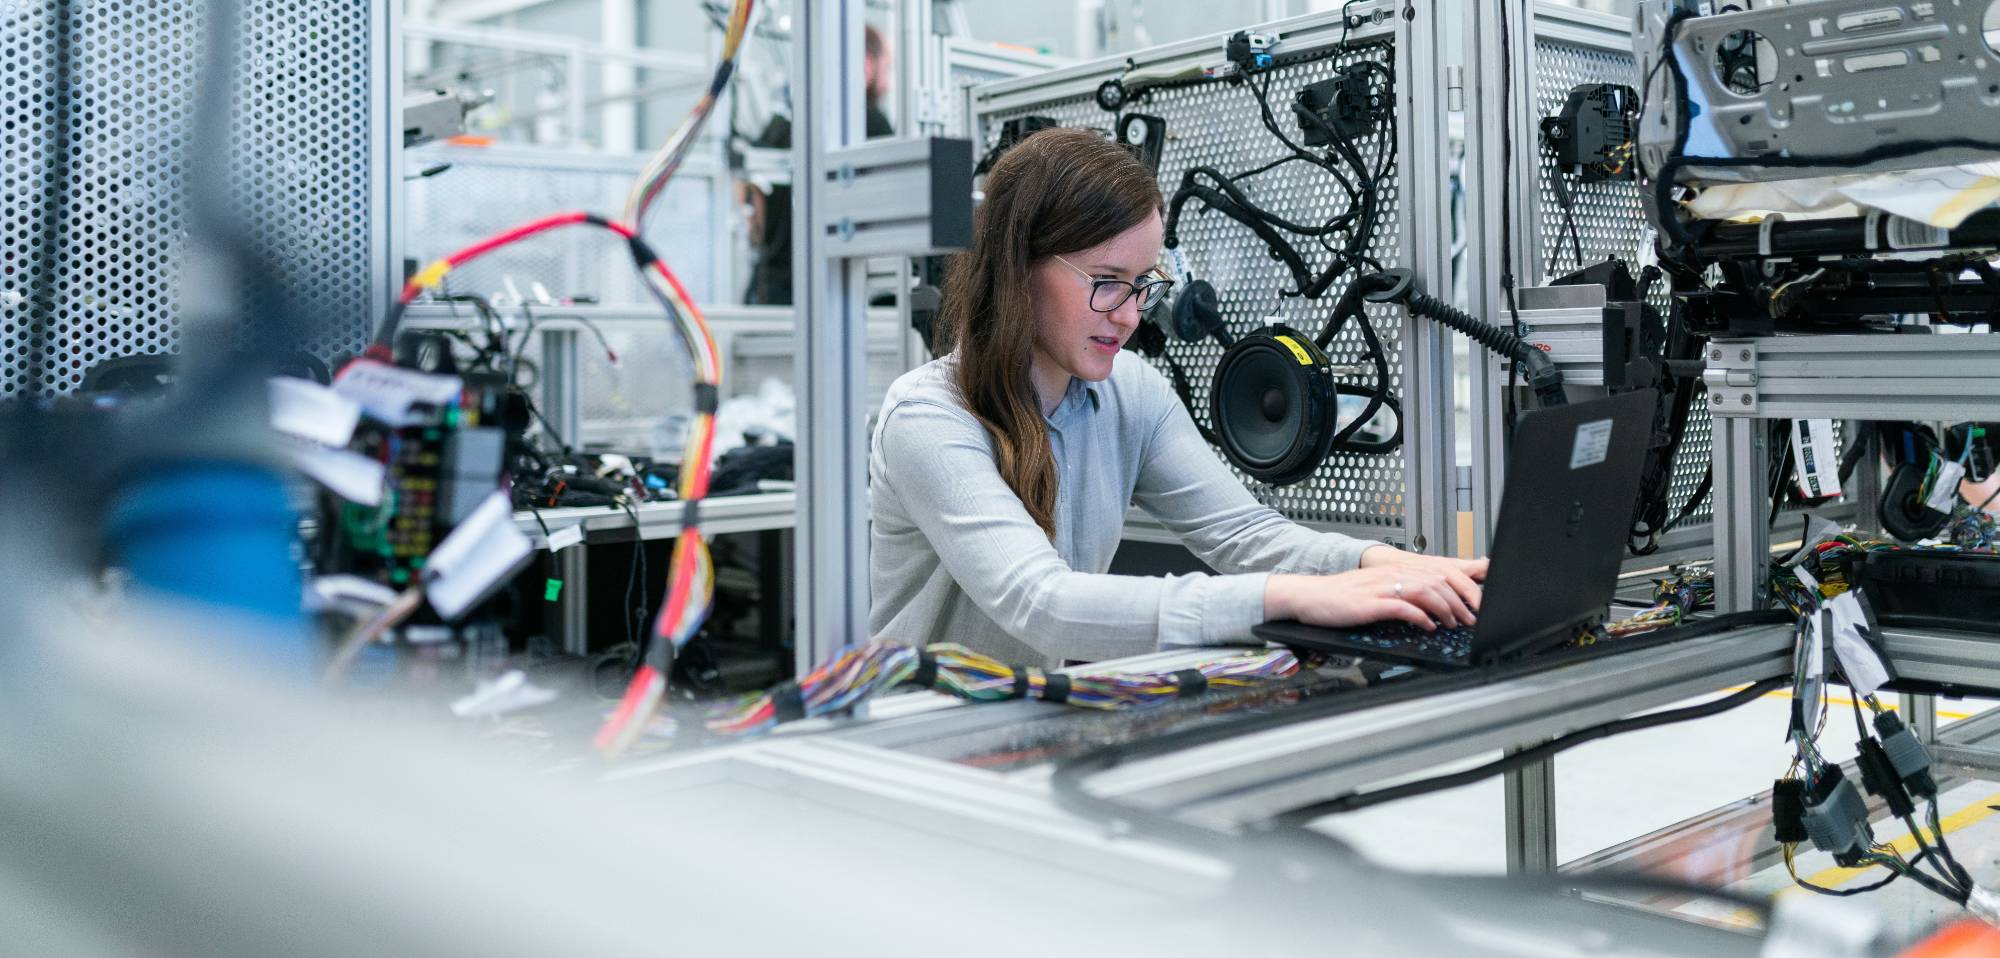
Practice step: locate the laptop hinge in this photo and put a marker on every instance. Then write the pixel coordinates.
(1531, 644)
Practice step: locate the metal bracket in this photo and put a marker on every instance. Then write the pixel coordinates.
(1732, 378)
(1567, 323)
(933, 106)
(897, 198)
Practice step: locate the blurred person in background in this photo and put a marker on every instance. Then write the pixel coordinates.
(771, 213)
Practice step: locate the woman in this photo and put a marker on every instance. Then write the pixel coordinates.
(1001, 472)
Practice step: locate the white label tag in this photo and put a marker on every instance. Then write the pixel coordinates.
(1906, 233)
(565, 537)
(1818, 460)
(389, 392)
(1944, 488)
(1593, 444)
(476, 558)
(349, 475)
(1823, 530)
(333, 591)
(308, 410)
(1177, 264)
(1858, 660)
(1806, 579)
(1806, 708)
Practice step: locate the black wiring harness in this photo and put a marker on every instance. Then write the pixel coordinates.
(1345, 234)
(1343, 237)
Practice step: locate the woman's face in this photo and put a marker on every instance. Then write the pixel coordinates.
(1071, 339)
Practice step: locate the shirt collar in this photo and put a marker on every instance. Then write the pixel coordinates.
(1075, 398)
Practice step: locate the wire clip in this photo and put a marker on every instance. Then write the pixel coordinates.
(787, 703)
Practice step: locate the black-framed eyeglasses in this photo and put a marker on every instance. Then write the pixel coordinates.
(1107, 295)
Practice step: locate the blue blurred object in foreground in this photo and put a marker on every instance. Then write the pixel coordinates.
(219, 534)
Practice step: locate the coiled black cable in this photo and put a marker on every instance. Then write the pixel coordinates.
(1399, 286)
(1486, 334)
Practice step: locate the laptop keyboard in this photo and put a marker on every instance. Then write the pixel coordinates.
(1454, 643)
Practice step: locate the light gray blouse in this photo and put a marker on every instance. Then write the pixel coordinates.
(956, 558)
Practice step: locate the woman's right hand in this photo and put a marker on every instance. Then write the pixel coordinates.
(1421, 597)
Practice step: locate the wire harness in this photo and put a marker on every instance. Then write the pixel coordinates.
(691, 574)
(1815, 800)
(1346, 233)
(862, 672)
(653, 178)
(691, 577)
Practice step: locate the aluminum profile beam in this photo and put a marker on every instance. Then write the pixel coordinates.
(1249, 778)
(1942, 376)
(1965, 659)
(896, 198)
(854, 200)
(1916, 377)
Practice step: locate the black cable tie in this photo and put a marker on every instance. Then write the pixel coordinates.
(691, 513)
(1055, 688)
(927, 671)
(660, 655)
(707, 399)
(1191, 682)
(788, 702)
(1021, 683)
(642, 251)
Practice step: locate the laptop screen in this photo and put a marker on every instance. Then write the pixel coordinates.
(1566, 511)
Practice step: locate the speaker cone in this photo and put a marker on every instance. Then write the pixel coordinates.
(1273, 405)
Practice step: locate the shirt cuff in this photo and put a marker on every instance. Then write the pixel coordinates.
(1219, 610)
(1342, 553)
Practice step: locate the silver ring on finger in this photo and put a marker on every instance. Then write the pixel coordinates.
(1399, 588)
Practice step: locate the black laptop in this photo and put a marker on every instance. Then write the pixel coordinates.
(1572, 478)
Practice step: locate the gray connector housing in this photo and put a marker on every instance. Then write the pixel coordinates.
(1906, 753)
(1839, 824)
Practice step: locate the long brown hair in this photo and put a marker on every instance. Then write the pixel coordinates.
(1057, 191)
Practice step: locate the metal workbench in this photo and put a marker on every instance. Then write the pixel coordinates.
(1314, 742)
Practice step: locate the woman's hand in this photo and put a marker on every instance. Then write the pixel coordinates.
(1422, 594)
(1465, 575)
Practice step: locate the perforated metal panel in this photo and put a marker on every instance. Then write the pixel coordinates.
(306, 171)
(1609, 221)
(1218, 125)
(302, 162)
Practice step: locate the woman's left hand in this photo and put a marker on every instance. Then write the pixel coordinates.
(1464, 575)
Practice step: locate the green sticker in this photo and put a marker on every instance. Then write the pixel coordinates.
(554, 592)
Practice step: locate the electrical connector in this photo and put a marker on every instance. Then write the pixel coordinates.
(1346, 105)
(1788, 810)
(1544, 378)
(1250, 51)
(1836, 818)
(1907, 754)
(1880, 778)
